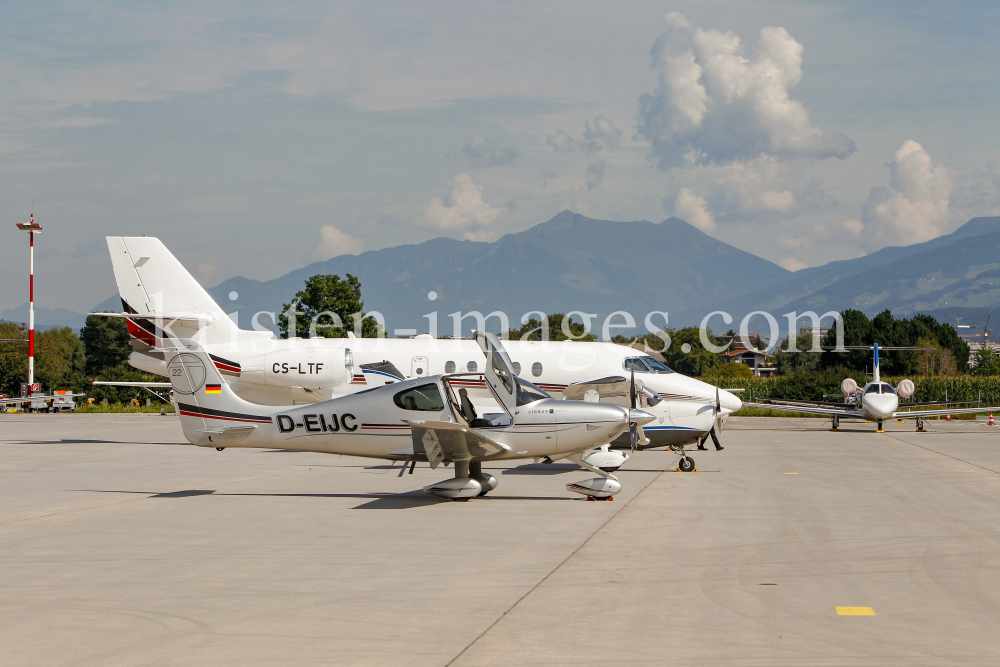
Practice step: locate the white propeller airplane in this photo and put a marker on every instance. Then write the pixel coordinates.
(875, 402)
(420, 419)
(161, 299)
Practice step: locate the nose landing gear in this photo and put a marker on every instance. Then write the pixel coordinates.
(880, 427)
(686, 463)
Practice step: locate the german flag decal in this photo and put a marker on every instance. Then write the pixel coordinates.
(213, 388)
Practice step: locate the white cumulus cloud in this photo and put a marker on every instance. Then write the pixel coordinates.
(561, 142)
(716, 102)
(461, 210)
(915, 206)
(595, 174)
(482, 153)
(599, 132)
(691, 208)
(333, 243)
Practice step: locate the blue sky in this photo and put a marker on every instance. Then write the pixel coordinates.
(254, 138)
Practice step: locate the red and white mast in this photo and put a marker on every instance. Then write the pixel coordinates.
(32, 228)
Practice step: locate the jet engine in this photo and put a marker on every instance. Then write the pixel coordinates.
(906, 388)
(310, 367)
(848, 387)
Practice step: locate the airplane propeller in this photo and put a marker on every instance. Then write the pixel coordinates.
(633, 427)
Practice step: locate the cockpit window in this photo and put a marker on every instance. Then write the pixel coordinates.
(872, 389)
(426, 397)
(636, 364)
(887, 389)
(504, 373)
(655, 365)
(528, 393)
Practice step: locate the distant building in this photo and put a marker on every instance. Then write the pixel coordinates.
(750, 355)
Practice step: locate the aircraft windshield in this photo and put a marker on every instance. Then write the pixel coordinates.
(646, 365)
(656, 366)
(528, 393)
(887, 389)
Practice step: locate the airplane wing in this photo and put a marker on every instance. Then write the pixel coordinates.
(794, 401)
(446, 440)
(28, 399)
(910, 414)
(196, 320)
(809, 409)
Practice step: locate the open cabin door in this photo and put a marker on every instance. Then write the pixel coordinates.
(499, 371)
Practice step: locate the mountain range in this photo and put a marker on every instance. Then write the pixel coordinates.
(600, 266)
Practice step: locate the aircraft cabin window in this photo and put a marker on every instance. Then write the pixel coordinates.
(536, 368)
(636, 364)
(426, 397)
(655, 365)
(528, 393)
(517, 368)
(473, 367)
(449, 367)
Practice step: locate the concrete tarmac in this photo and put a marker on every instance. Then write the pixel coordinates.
(122, 545)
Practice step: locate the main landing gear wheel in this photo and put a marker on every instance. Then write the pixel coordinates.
(686, 464)
(219, 449)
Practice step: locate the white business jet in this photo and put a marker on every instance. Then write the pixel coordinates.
(419, 419)
(159, 296)
(875, 402)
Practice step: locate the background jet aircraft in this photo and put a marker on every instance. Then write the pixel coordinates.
(876, 401)
(412, 420)
(159, 294)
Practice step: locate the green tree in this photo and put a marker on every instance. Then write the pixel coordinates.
(106, 342)
(13, 358)
(60, 360)
(328, 307)
(793, 362)
(887, 331)
(553, 328)
(687, 355)
(986, 362)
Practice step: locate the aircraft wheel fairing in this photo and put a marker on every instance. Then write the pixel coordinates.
(605, 459)
(598, 487)
(455, 488)
(488, 482)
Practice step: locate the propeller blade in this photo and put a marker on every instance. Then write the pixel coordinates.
(631, 390)
(718, 402)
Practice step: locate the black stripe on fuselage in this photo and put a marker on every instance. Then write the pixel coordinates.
(222, 414)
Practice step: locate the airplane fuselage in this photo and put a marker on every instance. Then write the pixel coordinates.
(274, 372)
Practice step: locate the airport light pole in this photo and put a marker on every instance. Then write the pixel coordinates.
(32, 228)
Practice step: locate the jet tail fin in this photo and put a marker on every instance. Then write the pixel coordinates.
(152, 282)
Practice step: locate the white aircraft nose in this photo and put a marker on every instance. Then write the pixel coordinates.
(729, 401)
(881, 405)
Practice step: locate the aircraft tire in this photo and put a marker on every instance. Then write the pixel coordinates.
(686, 464)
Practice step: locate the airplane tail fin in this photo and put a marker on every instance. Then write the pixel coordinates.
(152, 282)
(875, 376)
(211, 414)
